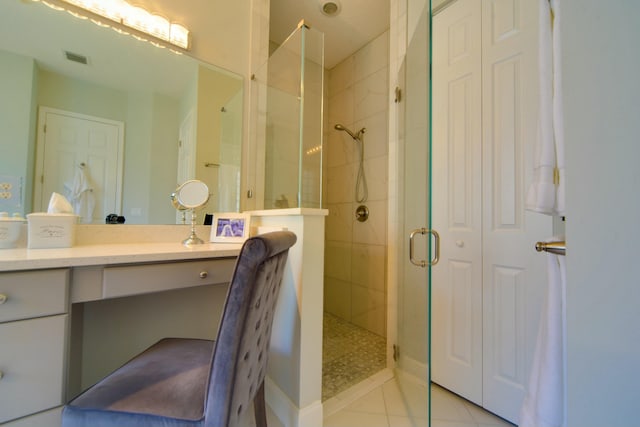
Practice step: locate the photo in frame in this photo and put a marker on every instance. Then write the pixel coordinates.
(230, 227)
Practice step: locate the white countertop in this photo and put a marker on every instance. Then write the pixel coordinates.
(106, 254)
(102, 244)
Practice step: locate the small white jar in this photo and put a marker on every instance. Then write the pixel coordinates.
(10, 229)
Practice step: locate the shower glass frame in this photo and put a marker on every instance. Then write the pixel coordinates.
(291, 87)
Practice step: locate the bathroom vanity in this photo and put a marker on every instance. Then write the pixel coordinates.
(70, 316)
(50, 350)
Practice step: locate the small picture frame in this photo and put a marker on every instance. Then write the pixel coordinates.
(230, 227)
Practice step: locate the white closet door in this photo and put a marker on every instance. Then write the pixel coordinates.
(487, 291)
(457, 200)
(514, 277)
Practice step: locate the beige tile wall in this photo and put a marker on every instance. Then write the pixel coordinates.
(355, 252)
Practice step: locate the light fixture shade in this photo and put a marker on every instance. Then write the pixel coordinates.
(179, 36)
(122, 13)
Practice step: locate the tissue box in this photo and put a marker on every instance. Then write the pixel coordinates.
(51, 230)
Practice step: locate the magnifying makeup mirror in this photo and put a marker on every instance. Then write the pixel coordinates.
(191, 195)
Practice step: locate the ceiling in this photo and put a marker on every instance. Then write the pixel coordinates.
(358, 22)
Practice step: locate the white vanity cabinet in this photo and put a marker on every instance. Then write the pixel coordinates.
(33, 345)
(69, 316)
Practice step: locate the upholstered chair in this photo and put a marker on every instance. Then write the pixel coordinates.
(193, 382)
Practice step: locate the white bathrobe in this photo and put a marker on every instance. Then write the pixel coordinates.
(80, 195)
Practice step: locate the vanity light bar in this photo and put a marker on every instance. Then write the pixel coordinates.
(120, 15)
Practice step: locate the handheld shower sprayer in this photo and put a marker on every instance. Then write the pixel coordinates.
(362, 192)
(356, 136)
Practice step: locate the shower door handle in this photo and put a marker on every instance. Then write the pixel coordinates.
(436, 241)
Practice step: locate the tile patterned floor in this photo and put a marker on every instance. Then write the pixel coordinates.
(350, 354)
(402, 403)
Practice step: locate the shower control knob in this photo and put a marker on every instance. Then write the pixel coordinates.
(362, 213)
(460, 243)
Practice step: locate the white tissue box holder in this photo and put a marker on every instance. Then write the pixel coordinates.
(51, 230)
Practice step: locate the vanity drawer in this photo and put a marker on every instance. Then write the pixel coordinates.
(50, 418)
(31, 356)
(33, 294)
(146, 278)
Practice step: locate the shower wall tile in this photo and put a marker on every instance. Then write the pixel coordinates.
(375, 170)
(339, 222)
(337, 258)
(374, 230)
(355, 256)
(371, 95)
(341, 182)
(341, 110)
(337, 297)
(376, 138)
(372, 57)
(368, 309)
(341, 149)
(341, 76)
(368, 266)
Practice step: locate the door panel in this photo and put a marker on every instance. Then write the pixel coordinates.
(69, 140)
(457, 191)
(514, 276)
(487, 293)
(413, 202)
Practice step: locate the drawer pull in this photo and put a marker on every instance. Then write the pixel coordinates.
(3, 299)
(203, 274)
(1, 374)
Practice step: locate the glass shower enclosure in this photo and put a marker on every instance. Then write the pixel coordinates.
(290, 103)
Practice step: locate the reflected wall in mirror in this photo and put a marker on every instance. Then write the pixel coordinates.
(180, 118)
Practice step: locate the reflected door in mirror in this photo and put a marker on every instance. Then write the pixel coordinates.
(68, 142)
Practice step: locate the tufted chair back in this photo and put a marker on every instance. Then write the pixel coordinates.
(240, 354)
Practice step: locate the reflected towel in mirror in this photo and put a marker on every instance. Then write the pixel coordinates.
(80, 195)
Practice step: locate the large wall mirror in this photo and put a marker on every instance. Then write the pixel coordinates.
(123, 117)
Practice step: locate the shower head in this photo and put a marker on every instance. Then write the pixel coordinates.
(356, 136)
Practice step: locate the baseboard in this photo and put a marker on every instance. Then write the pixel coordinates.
(287, 412)
(347, 397)
(413, 368)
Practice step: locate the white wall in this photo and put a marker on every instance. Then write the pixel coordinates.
(602, 97)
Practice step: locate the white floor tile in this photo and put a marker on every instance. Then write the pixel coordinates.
(356, 419)
(401, 403)
(372, 403)
(396, 421)
(484, 418)
(405, 399)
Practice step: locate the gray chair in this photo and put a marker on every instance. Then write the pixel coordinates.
(194, 382)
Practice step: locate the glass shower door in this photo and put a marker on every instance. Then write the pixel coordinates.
(415, 242)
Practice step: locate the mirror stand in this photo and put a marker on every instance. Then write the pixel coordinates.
(193, 239)
(191, 195)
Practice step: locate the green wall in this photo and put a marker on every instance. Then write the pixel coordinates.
(17, 121)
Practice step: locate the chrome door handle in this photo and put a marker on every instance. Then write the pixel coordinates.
(436, 254)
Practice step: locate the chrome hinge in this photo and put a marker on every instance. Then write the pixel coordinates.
(396, 353)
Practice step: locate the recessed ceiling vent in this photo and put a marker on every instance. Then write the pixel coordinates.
(76, 57)
(330, 7)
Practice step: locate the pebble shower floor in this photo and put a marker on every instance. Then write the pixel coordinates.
(350, 354)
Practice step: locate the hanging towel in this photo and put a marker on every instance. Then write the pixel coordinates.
(546, 192)
(544, 404)
(558, 117)
(80, 194)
